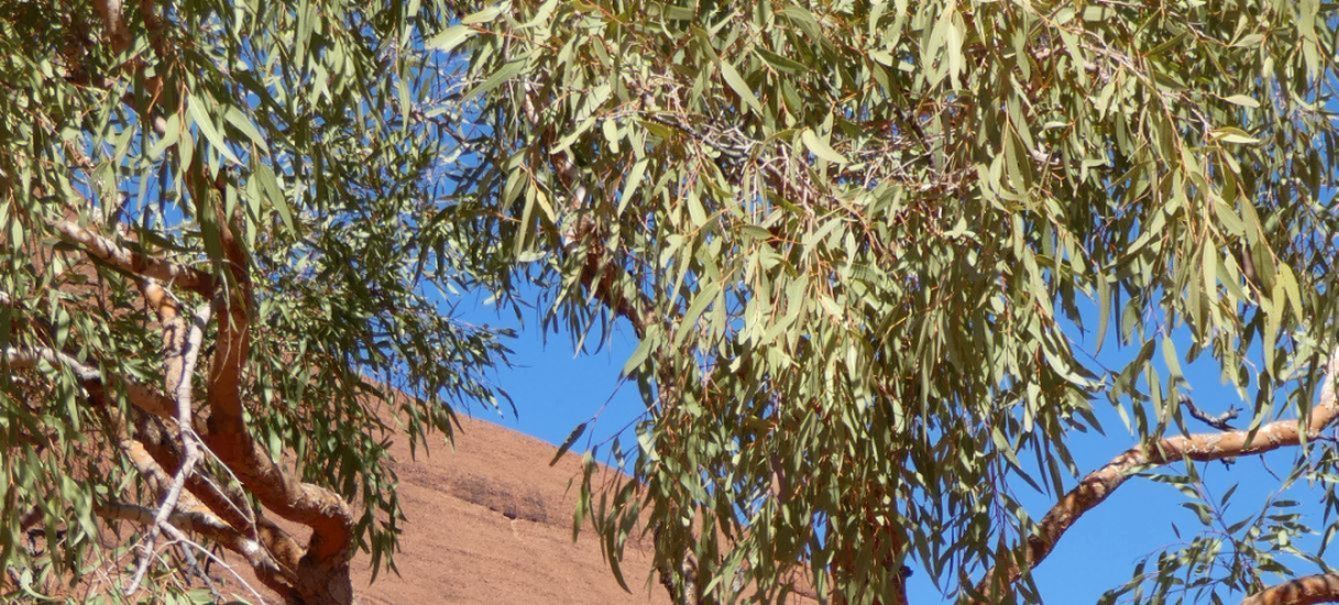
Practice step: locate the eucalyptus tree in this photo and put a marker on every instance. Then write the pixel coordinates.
(216, 303)
(855, 239)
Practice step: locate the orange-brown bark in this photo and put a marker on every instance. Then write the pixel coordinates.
(227, 505)
(318, 573)
(323, 564)
(1099, 484)
(1320, 588)
(323, 571)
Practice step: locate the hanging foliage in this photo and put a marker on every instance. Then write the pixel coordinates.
(855, 241)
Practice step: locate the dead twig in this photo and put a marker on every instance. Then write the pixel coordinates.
(1220, 422)
(182, 340)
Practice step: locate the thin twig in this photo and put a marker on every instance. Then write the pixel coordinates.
(182, 355)
(1220, 422)
(194, 568)
(178, 536)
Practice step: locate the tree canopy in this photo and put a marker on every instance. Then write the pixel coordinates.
(855, 240)
(219, 291)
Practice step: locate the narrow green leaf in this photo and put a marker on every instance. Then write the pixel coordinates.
(195, 107)
(567, 443)
(820, 148)
(449, 38)
(243, 124)
(740, 87)
(269, 182)
(506, 72)
(483, 16)
(630, 184)
(1289, 283)
(1242, 100)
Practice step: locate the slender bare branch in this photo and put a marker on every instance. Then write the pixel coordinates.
(149, 459)
(1099, 484)
(1220, 422)
(181, 343)
(1320, 588)
(188, 546)
(189, 512)
(229, 504)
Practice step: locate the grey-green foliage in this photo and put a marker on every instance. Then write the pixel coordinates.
(316, 129)
(852, 234)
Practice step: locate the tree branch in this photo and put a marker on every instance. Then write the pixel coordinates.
(155, 453)
(28, 358)
(1099, 484)
(151, 401)
(191, 515)
(139, 395)
(200, 519)
(210, 527)
(134, 263)
(1320, 588)
(324, 511)
(181, 344)
(1220, 422)
(117, 34)
(221, 501)
(597, 275)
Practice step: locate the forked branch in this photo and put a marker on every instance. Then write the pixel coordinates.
(321, 509)
(211, 527)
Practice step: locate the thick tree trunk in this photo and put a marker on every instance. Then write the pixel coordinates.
(324, 582)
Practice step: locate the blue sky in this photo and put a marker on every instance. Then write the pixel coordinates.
(554, 389)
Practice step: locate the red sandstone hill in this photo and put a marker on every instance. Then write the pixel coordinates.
(491, 522)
